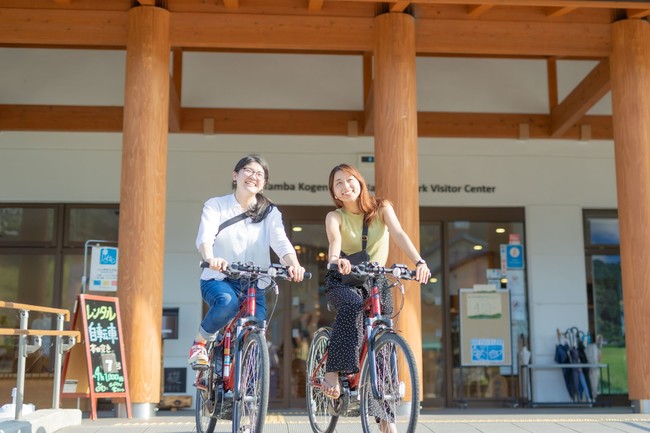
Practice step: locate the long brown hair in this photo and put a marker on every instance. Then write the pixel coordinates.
(368, 204)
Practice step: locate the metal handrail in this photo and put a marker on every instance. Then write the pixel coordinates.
(25, 349)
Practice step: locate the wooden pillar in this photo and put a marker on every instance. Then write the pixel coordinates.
(396, 149)
(142, 201)
(630, 69)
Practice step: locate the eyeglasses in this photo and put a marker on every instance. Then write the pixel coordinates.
(250, 172)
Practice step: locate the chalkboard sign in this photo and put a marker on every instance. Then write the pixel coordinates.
(97, 368)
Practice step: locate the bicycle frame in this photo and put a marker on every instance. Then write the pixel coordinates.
(241, 324)
(374, 324)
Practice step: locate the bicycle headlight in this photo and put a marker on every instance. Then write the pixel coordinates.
(272, 272)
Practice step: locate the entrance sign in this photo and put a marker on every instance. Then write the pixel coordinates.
(485, 336)
(103, 269)
(97, 368)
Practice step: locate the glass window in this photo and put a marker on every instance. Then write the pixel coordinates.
(91, 223)
(433, 364)
(38, 268)
(474, 249)
(24, 225)
(605, 294)
(603, 230)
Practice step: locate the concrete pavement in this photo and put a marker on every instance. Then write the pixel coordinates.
(512, 420)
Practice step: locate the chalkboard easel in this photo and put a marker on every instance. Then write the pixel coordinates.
(97, 367)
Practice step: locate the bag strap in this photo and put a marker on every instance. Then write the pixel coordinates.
(364, 234)
(242, 216)
(231, 221)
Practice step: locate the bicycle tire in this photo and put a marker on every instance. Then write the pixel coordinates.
(320, 417)
(205, 401)
(392, 354)
(252, 396)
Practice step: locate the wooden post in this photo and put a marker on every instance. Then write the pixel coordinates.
(142, 201)
(630, 69)
(396, 149)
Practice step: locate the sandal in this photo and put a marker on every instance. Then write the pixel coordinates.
(331, 391)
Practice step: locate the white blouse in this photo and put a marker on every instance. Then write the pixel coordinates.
(243, 241)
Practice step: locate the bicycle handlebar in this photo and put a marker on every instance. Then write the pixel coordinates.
(373, 269)
(275, 270)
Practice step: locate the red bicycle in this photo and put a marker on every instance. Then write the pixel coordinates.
(236, 383)
(386, 391)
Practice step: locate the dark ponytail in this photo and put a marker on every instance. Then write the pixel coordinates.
(263, 206)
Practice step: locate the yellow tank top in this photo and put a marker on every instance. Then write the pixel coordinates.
(351, 229)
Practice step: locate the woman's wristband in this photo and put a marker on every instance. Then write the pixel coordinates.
(420, 262)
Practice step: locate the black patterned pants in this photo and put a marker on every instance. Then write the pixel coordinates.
(347, 330)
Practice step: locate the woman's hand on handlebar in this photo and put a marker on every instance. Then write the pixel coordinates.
(296, 273)
(344, 265)
(217, 264)
(422, 273)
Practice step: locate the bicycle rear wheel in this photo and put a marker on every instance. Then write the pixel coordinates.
(318, 410)
(398, 385)
(252, 396)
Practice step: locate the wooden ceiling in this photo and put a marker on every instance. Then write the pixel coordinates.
(545, 29)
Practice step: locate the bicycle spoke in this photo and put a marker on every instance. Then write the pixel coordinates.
(320, 417)
(254, 385)
(397, 408)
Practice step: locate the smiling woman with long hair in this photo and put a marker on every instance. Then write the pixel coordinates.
(354, 207)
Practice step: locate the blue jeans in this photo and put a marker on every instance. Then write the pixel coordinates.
(223, 297)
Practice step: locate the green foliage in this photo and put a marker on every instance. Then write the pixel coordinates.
(616, 358)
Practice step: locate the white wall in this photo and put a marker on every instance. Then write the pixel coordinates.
(552, 179)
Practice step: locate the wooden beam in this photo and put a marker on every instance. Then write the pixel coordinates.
(60, 118)
(175, 88)
(83, 28)
(399, 6)
(174, 107)
(551, 74)
(581, 99)
(88, 28)
(147, 2)
(231, 4)
(291, 122)
(559, 12)
(591, 4)
(476, 11)
(368, 97)
(549, 38)
(315, 5)
(638, 13)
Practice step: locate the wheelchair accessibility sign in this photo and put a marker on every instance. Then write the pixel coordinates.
(103, 269)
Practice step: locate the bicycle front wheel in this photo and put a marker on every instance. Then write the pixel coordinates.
(398, 384)
(252, 395)
(320, 418)
(205, 400)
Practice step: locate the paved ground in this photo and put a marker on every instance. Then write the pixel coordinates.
(539, 420)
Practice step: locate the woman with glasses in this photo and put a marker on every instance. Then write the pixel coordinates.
(253, 224)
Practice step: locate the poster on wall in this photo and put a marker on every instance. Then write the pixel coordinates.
(103, 269)
(485, 337)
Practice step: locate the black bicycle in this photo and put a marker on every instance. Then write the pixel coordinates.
(236, 383)
(386, 391)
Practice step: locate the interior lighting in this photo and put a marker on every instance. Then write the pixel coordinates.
(500, 230)
(478, 247)
(297, 229)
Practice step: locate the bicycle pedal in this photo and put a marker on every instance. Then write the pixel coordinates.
(199, 367)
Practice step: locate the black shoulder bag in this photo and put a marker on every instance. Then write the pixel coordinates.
(357, 258)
